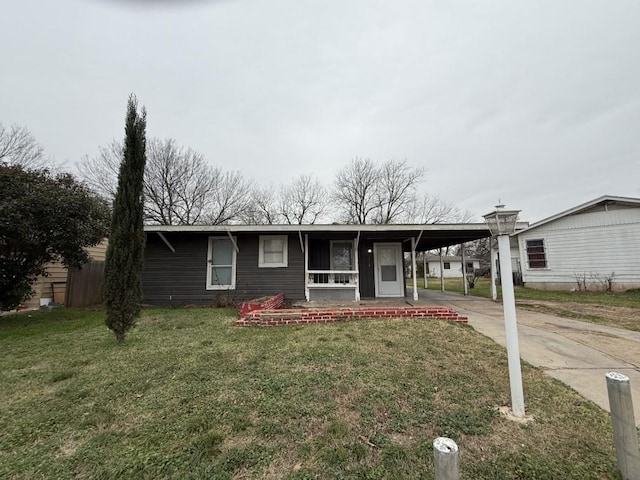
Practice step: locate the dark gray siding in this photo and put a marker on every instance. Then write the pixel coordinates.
(179, 278)
(252, 282)
(176, 278)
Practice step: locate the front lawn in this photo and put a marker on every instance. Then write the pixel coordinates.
(190, 395)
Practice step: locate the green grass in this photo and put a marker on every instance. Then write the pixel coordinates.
(630, 298)
(190, 395)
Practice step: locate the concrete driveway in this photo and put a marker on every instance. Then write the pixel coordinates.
(576, 353)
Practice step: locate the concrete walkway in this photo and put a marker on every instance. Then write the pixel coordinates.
(576, 353)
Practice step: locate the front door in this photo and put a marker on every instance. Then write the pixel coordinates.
(388, 269)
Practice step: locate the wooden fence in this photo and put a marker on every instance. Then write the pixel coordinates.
(84, 285)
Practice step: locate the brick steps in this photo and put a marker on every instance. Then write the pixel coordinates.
(272, 316)
(263, 303)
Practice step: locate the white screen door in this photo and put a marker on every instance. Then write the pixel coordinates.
(387, 259)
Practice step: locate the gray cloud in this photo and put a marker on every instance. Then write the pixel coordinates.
(534, 103)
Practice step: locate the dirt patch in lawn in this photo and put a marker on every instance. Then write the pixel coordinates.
(612, 316)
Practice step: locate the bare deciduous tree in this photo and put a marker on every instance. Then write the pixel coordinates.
(180, 187)
(19, 148)
(432, 209)
(396, 190)
(355, 191)
(303, 201)
(366, 192)
(101, 172)
(230, 198)
(264, 207)
(178, 184)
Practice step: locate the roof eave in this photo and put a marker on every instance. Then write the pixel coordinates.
(578, 209)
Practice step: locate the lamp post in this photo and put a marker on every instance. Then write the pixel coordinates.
(502, 223)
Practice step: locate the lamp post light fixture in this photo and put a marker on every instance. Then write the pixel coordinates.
(502, 223)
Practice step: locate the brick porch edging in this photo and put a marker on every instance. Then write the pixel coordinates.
(271, 318)
(262, 303)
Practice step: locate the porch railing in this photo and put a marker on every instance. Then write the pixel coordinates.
(332, 278)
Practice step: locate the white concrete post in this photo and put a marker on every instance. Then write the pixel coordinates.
(494, 276)
(625, 433)
(511, 327)
(445, 459)
(356, 261)
(424, 268)
(306, 266)
(465, 287)
(414, 269)
(441, 272)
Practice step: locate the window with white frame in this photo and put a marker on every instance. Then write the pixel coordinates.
(221, 264)
(273, 251)
(341, 259)
(536, 255)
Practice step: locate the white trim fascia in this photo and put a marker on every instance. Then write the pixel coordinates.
(584, 206)
(266, 229)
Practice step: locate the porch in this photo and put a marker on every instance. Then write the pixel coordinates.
(270, 311)
(351, 263)
(348, 266)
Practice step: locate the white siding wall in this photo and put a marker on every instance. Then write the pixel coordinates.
(454, 272)
(595, 243)
(515, 259)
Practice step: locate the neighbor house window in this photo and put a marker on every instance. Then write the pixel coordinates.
(469, 266)
(535, 254)
(447, 266)
(273, 251)
(221, 264)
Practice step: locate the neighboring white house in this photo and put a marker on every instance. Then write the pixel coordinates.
(592, 244)
(452, 265)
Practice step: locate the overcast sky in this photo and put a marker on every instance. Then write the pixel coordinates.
(536, 103)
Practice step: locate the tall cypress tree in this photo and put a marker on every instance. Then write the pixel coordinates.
(122, 288)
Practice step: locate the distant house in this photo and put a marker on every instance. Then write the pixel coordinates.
(586, 246)
(210, 264)
(52, 288)
(452, 266)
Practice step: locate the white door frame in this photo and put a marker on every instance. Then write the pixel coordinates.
(399, 269)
